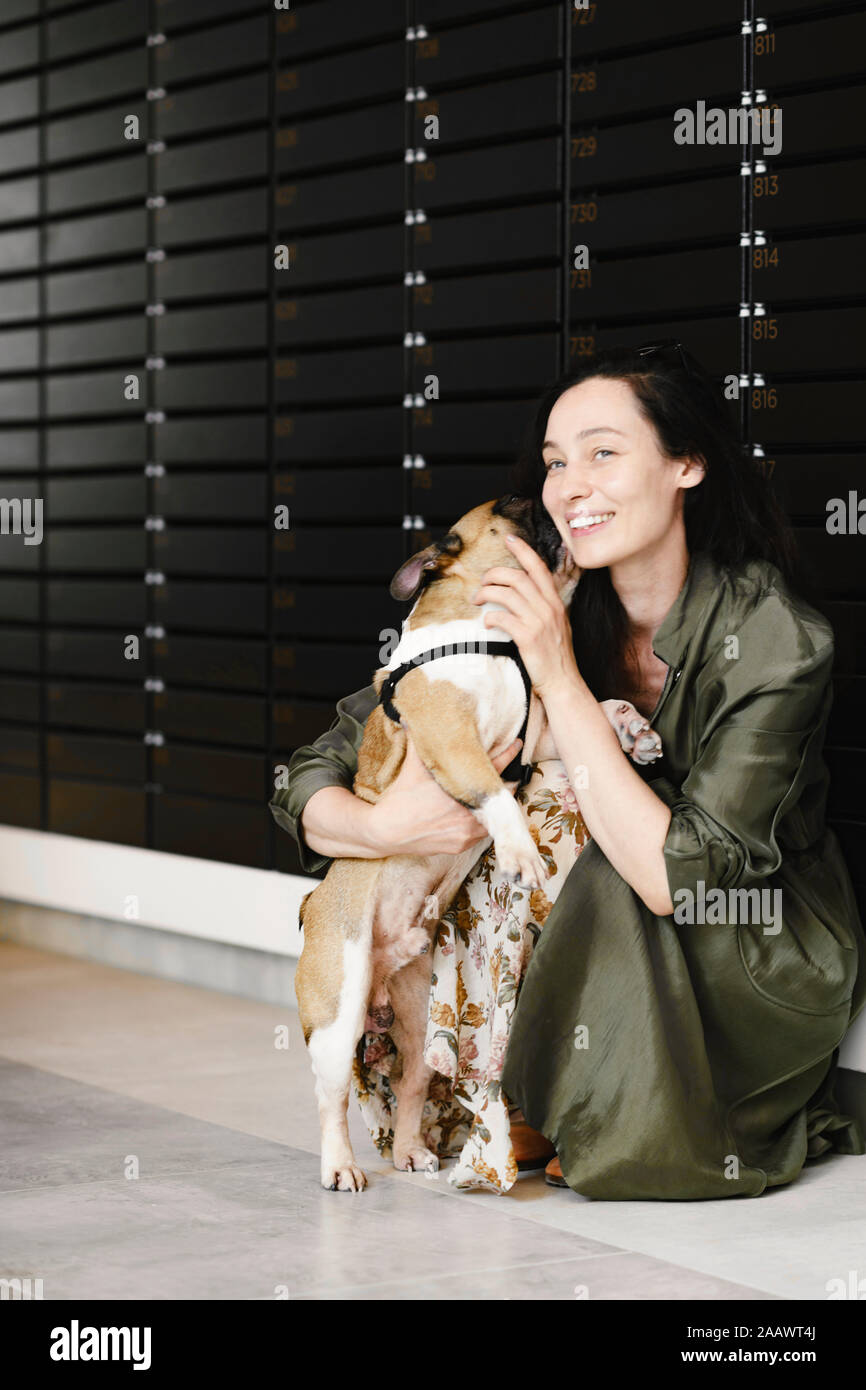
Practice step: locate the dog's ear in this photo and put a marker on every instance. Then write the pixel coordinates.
(514, 508)
(407, 580)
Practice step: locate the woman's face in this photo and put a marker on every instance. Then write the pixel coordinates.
(610, 491)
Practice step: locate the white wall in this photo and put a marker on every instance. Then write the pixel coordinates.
(222, 902)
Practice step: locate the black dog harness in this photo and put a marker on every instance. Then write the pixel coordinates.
(516, 771)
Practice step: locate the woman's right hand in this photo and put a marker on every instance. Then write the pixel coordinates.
(415, 816)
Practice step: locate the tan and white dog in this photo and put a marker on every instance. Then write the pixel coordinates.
(368, 927)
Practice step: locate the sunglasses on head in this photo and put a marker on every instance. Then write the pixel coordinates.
(671, 346)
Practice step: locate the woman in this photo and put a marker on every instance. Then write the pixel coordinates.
(674, 1032)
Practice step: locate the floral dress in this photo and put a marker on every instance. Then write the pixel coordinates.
(482, 947)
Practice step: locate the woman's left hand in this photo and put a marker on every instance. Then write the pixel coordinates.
(534, 616)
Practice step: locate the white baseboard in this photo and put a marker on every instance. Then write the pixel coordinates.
(257, 908)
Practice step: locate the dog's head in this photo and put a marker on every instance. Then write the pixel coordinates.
(476, 543)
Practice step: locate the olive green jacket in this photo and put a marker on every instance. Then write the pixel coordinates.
(691, 1055)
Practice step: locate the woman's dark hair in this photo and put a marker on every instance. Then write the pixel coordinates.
(732, 514)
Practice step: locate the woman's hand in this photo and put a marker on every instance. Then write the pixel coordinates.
(415, 816)
(534, 616)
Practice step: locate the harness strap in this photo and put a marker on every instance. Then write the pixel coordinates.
(516, 771)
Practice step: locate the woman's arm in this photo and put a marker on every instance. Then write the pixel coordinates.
(327, 821)
(414, 816)
(330, 761)
(756, 756)
(622, 814)
(334, 825)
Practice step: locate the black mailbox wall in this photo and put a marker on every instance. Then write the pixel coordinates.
(152, 259)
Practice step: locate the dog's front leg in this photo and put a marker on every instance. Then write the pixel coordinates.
(642, 743)
(450, 747)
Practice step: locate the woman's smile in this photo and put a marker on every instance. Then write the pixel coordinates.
(587, 523)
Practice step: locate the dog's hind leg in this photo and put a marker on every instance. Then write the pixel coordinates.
(332, 984)
(332, 1051)
(410, 991)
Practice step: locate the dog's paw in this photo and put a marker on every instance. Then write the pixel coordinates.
(647, 745)
(415, 1158)
(347, 1178)
(641, 742)
(522, 863)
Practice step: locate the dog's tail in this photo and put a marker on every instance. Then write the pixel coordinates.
(304, 900)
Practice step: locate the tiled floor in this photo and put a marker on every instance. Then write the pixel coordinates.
(158, 1143)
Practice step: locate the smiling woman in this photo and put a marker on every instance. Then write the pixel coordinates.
(661, 1057)
(670, 1059)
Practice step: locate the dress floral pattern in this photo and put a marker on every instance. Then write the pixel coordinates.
(482, 947)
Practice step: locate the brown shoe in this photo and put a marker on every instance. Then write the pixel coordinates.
(553, 1174)
(531, 1149)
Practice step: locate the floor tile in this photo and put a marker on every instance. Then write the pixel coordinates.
(217, 1214)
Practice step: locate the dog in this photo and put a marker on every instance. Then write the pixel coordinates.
(369, 925)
